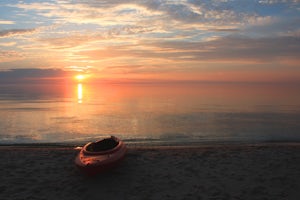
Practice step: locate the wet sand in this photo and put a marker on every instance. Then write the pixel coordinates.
(263, 171)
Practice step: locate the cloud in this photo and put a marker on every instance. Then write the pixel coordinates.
(30, 75)
(136, 69)
(173, 54)
(278, 1)
(6, 22)
(147, 19)
(238, 48)
(83, 13)
(264, 26)
(143, 19)
(8, 56)
(139, 13)
(160, 36)
(217, 15)
(67, 41)
(15, 32)
(7, 44)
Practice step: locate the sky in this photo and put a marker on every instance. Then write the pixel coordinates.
(197, 40)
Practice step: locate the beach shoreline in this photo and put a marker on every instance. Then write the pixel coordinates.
(219, 171)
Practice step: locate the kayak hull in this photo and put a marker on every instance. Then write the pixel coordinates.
(92, 163)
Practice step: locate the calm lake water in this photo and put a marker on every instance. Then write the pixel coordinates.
(152, 113)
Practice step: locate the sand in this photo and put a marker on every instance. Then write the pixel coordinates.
(264, 171)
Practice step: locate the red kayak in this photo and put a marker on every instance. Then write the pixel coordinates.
(96, 157)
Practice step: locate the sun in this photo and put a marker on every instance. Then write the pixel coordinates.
(80, 77)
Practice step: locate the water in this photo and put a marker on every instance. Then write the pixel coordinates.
(149, 113)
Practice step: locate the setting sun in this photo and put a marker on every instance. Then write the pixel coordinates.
(80, 77)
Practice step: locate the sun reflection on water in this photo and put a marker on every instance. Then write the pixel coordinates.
(79, 92)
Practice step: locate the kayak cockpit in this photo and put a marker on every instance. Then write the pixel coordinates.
(102, 145)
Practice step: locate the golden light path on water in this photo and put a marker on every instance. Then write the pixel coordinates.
(80, 78)
(79, 92)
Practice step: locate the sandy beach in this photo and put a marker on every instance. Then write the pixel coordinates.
(263, 171)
